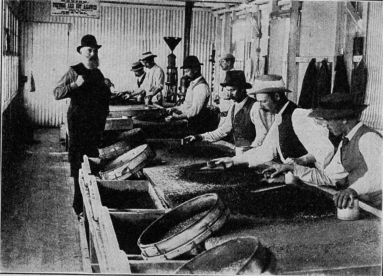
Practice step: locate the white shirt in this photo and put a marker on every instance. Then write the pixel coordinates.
(195, 98)
(311, 135)
(370, 146)
(227, 125)
(155, 78)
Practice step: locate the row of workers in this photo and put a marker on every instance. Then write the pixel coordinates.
(266, 124)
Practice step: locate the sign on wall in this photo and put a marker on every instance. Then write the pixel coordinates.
(80, 8)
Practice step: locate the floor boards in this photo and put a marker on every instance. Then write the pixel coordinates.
(39, 230)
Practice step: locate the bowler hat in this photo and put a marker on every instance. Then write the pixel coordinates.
(268, 84)
(337, 106)
(88, 41)
(236, 78)
(228, 57)
(147, 55)
(191, 62)
(137, 66)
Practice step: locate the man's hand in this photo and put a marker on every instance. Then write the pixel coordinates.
(345, 198)
(276, 169)
(226, 162)
(126, 95)
(80, 80)
(169, 118)
(191, 139)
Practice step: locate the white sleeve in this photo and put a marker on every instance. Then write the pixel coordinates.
(200, 94)
(260, 129)
(313, 137)
(370, 146)
(222, 131)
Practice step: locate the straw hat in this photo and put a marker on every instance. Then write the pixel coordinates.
(268, 84)
(147, 55)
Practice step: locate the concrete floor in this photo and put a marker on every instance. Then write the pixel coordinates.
(39, 230)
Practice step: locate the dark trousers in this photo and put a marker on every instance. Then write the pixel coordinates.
(77, 198)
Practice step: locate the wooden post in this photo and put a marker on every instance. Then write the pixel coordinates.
(293, 50)
(188, 22)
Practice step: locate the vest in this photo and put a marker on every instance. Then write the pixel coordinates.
(243, 128)
(139, 82)
(208, 118)
(93, 96)
(351, 158)
(289, 143)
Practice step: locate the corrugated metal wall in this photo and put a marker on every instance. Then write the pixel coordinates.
(125, 32)
(10, 59)
(373, 115)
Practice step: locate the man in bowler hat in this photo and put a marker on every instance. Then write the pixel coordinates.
(242, 115)
(356, 167)
(194, 108)
(89, 97)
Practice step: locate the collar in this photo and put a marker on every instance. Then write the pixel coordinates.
(195, 81)
(141, 77)
(283, 108)
(241, 104)
(353, 131)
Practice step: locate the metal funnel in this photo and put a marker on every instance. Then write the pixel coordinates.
(172, 41)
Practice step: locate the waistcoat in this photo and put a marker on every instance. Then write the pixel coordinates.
(351, 158)
(243, 128)
(290, 145)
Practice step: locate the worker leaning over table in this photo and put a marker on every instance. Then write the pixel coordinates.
(356, 167)
(140, 85)
(195, 107)
(282, 143)
(85, 85)
(155, 78)
(242, 123)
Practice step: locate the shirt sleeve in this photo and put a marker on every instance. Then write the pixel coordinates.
(313, 176)
(262, 154)
(260, 128)
(370, 146)
(158, 81)
(64, 89)
(222, 131)
(313, 136)
(200, 94)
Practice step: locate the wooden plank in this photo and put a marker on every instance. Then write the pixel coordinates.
(307, 59)
(293, 50)
(86, 266)
(136, 215)
(125, 185)
(119, 123)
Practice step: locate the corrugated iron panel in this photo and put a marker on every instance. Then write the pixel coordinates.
(10, 60)
(202, 38)
(47, 62)
(373, 115)
(125, 32)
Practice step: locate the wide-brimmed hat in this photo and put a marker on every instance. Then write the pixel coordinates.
(268, 84)
(147, 55)
(191, 62)
(137, 66)
(236, 78)
(227, 56)
(337, 106)
(88, 41)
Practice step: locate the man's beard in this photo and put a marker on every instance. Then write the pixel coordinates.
(93, 62)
